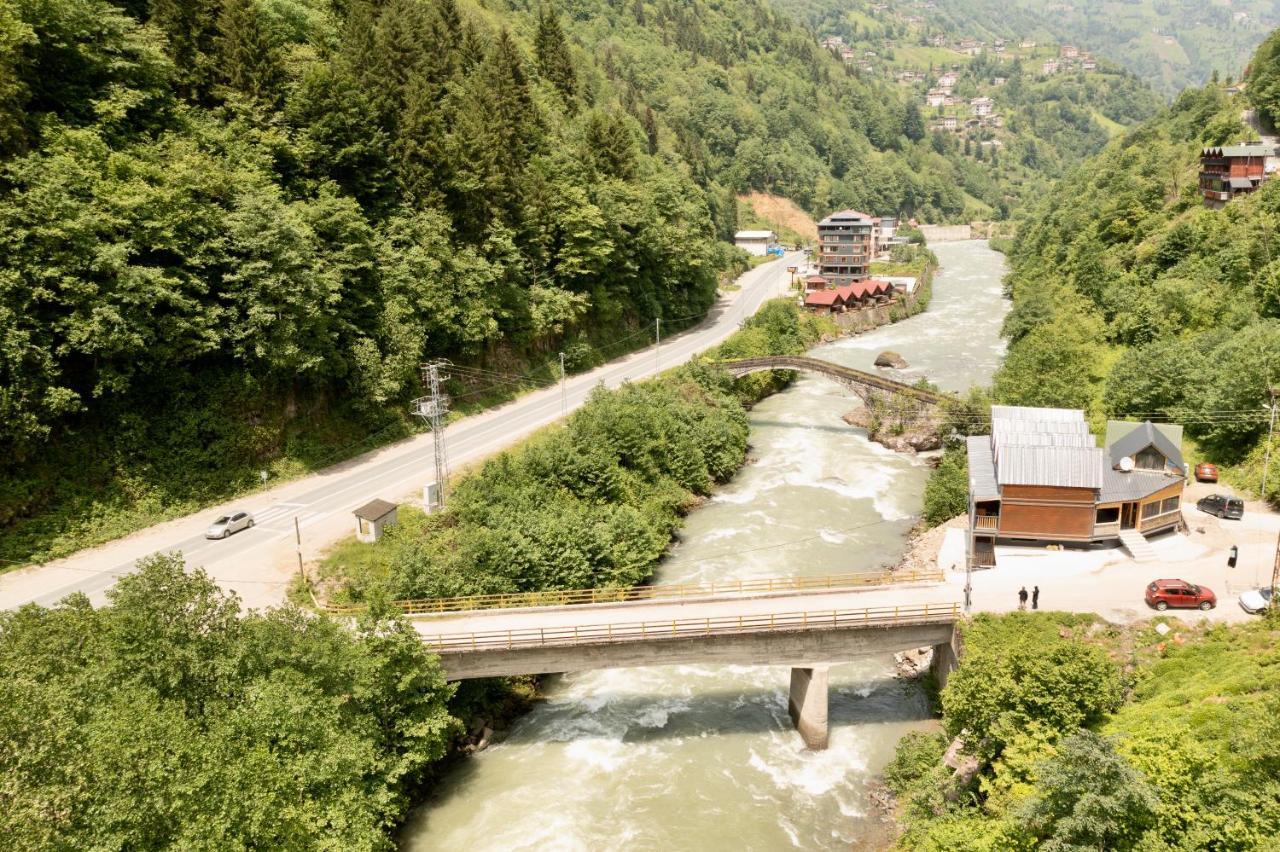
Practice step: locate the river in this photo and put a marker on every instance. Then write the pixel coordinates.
(705, 757)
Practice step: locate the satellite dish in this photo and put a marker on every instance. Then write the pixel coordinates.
(1126, 464)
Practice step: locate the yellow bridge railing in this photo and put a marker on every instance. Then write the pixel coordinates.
(677, 628)
(672, 591)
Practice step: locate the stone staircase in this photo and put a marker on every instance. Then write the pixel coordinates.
(1138, 546)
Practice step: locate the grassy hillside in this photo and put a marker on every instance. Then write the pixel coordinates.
(1171, 44)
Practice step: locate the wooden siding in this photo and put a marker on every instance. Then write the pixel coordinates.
(1027, 520)
(1047, 494)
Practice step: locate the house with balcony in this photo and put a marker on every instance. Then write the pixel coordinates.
(981, 106)
(1041, 477)
(845, 247)
(1230, 170)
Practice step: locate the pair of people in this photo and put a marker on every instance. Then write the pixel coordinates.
(1035, 598)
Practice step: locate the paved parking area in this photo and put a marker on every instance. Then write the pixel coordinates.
(1110, 583)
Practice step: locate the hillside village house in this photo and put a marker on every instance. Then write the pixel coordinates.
(755, 242)
(981, 106)
(845, 247)
(1040, 476)
(1232, 170)
(1069, 51)
(935, 98)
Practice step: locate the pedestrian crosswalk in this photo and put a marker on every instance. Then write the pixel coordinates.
(279, 517)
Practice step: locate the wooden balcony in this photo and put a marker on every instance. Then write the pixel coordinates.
(1112, 528)
(986, 522)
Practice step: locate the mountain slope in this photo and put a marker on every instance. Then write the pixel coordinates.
(1132, 299)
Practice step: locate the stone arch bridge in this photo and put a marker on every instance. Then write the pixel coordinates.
(869, 386)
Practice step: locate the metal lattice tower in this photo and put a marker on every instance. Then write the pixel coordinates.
(433, 408)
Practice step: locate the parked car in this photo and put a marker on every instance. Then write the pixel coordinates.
(1179, 594)
(1257, 600)
(1222, 505)
(1206, 472)
(229, 524)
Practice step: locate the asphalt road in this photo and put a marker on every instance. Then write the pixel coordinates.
(323, 511)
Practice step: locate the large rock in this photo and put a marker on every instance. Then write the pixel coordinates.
(889, 358)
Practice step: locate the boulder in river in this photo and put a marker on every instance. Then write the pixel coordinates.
(889, 358)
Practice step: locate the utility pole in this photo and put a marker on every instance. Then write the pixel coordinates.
(657, 343)
(1274, 604)
(564, 394)
(433, 409)
(297, 538)
(1271, 427)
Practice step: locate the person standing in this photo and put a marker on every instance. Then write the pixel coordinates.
(1022, 598)
(1035, 598)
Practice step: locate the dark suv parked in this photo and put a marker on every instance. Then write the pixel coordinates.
(1222, 506)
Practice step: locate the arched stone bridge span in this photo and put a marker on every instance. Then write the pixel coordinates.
(864, 384)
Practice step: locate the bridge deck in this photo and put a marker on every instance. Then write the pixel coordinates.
(651, 620)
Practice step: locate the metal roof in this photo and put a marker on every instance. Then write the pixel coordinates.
(1118, 486)
(1020, 412)
(1125, 438)
(1066, 467)
(375, 510)
(982, 469)
(845, 216)
(753, 235)
(1240, 183)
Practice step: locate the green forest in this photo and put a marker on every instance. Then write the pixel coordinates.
(233, 229)
(1084, 735)
(169, 719)
(1133, 300)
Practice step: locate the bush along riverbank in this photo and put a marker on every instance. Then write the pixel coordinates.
(1062, 731)
(591, 503)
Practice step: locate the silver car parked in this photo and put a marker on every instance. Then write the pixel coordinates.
(228, 524)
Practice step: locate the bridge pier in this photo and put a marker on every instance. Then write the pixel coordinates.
(946, 657)
(808, 705)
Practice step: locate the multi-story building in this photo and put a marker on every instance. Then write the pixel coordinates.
(1232, 170)
(845, 246)
(981, 106)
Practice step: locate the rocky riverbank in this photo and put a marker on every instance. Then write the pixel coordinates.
(916, 437)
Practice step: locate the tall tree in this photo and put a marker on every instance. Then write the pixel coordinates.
(250, 58)
(191, 27)
(554, 61)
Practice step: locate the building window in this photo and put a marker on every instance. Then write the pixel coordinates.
(1170, 505)
(1149, 459)
(1109, 515)
(1150, 510)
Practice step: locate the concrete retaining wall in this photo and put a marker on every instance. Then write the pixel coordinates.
(946, 233)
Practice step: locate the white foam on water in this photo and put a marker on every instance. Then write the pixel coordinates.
(833, 536)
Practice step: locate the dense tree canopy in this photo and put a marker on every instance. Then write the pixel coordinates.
(169, 719)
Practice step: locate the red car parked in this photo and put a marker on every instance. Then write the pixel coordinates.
(1163, 594)
(1206, 472)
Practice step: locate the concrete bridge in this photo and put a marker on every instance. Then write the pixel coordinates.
(864, 384)
(808, 631)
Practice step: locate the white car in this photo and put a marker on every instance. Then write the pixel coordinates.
(1256, 600)
(228, 524)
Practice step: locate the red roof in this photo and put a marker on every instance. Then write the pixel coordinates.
(823, 298)
(850, 292)
(815, 279)
(878, 288)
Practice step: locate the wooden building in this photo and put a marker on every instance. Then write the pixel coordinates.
(1230, 170)
(1040, 476)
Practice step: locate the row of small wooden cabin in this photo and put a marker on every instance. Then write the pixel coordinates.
(859, 294)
